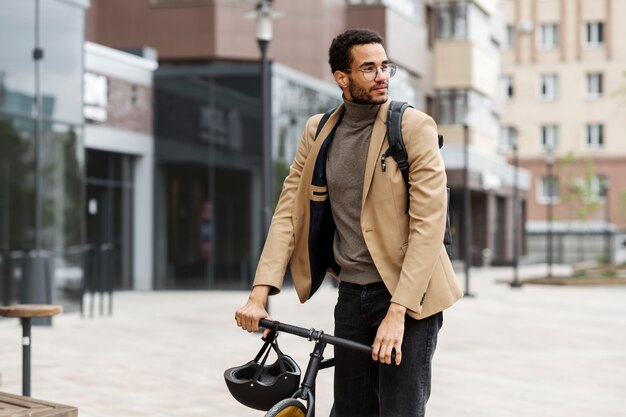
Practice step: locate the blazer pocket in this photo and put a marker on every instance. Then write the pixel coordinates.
(318, 193)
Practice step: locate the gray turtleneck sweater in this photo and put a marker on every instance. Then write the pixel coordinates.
(345, 169)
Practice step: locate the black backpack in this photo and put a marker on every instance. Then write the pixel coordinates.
(398, 152)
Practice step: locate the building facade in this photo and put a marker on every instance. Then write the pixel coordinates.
(119, 182)
(467, 36)
(207, 222)
(563, 84)
(149, 175)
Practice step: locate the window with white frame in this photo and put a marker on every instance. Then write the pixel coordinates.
(594, 34)
(595, 87)
(508, 138)
(548, 190)
(452, 106)
(549, 137)
(549, 36)
(595, 135)
(598, 187)
(548, 87)
(508, 42)
(507, 89)
(452, 20)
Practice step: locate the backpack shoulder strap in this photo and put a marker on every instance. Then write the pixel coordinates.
(396, 143)
(398, 151)
(323, 121)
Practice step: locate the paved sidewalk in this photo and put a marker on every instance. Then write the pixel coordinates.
(537, 351)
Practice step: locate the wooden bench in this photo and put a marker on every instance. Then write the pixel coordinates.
(26, 312)
(16, 406)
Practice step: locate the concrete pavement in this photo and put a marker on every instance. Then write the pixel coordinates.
(536, 351)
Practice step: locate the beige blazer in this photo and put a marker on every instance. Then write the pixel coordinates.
(407, 249)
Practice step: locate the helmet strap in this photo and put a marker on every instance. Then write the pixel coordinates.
(270, 341)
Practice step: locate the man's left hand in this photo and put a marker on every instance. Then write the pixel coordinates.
(389, 335)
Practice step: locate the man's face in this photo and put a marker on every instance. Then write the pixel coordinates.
(359, 89)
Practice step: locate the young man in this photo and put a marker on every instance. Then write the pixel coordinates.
(340, 211)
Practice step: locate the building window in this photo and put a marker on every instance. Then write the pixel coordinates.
(431, 25)
(548, 87)
(595, 87)
(595, 136)
(410, 8)
(507, 89)
(508, 138)
(548, 190)
(451, 106)
(598, 187)
(509, 38)
(549, 137)
(452, 20)
(594, 35)
(549, 36)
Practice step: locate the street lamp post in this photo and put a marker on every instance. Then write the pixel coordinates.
(550, 192)
(263, 15)
(607, 221)
(516, 213)
(467, 210)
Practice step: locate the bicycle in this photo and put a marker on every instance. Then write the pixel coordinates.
(293, 406)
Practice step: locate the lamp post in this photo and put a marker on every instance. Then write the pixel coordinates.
(516, 212)
(607, 221)
(467, 210)
(550, 192)
(263, 14)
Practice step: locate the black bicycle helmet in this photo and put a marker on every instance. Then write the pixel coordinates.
(260, 386)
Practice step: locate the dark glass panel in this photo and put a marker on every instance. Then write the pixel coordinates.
(208, 151)
(109, 203)
(17, 185)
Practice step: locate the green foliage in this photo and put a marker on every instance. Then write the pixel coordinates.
(16, 188)
(577, 176)
(580, 274)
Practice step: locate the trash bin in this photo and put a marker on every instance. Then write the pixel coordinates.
(36, 286)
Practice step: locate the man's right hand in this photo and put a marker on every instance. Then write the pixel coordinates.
(248, 316)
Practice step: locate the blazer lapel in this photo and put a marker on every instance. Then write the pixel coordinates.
(379, 133)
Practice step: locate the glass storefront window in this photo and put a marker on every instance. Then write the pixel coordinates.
(62, 202)
(62, 186)
(17, 69)
(17, 184)
(209, 166)
(208, 148)
(62, 34)
(295, 98)
(61, 165)
(109, 203)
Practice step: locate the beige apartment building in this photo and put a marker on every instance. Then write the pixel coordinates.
(564, 87)
(466, 72)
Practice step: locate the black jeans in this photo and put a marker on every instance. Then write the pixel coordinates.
(364, 388)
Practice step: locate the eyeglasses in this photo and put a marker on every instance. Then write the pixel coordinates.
(371, 71)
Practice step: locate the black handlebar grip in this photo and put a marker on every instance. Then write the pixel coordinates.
(268, 324)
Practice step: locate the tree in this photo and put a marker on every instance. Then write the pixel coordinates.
(16, 188)
(579, 191)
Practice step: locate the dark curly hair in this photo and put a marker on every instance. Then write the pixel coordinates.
(340, 51)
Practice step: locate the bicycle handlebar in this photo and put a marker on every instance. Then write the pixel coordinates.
(319, 336)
